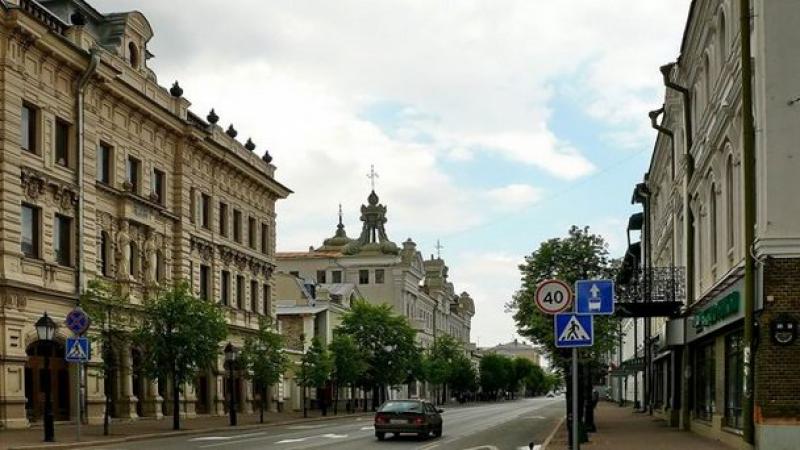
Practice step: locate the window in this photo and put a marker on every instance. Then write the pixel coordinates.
(62, 232)
(253, 295)
(321, 276)
(336, 276)
(251, 232)
(30, 231)
(712, 223)
(29, 120)
(205, 282)
(133, 55)
(205, 211)
(225, 286)
(157, 186)
(266, 301)
(722, 43)
(161, 267)
(264, 238)
(706, 81)
(363, 276)
(132, 173)
(704, 381)
(103, 163)
(240, 291)
(105, 251)
(734, 379)
(379, 274)
(237, 226)
(62, 143)
(729, 205)
(133, 262)
(223, 219)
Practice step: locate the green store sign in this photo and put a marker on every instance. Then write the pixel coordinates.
(724, 308)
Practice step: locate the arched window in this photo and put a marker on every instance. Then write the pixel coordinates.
(730, 191)
(133, 55)
(721, 41)
(712, 222)
(706, 81)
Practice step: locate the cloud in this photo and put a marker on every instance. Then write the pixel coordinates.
(514, 196)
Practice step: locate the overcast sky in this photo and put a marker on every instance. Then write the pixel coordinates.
(493, 124)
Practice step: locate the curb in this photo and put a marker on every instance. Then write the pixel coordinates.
(168, 434)
(553, 433)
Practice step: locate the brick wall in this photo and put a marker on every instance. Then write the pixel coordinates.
(777, 383)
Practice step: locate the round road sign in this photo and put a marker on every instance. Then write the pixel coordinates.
(553, 296)
(77, 321)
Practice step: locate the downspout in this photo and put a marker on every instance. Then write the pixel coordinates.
(749, 162)
(666, 131)
(79, 90)
(688, 233)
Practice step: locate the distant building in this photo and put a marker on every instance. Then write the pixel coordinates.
(516, 349)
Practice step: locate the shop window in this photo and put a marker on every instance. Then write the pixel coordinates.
(734, 379)
(704, 388)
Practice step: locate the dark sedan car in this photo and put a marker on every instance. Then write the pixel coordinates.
(408, 416)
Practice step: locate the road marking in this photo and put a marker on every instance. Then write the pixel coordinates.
(303, 427)
(372, 427)
(334, 436)
(210, 438)
(533, 417)
(289, 441)
(483, 447)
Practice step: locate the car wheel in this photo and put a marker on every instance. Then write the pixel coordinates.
(438, 431)
(380, 435)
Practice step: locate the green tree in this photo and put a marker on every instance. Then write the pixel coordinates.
(315, 371)
(463, 377)
(494, 373)
(438, 364)
(349, 364)
(263, 358)
(387, 342)
(105, 305)
(180, 334)
(521, 369)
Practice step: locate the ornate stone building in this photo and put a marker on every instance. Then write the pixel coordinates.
(387, 273)
(84, 117)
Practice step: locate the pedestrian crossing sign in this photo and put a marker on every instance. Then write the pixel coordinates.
(77, 350)
(574, 330)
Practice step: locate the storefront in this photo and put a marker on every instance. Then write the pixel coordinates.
(714, 337)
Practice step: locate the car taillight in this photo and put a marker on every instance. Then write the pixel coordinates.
(419, 420)
(381, 419)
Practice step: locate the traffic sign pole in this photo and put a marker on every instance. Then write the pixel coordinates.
(576, 439)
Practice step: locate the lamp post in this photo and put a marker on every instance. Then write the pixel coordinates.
(45, 330)
(231, 354)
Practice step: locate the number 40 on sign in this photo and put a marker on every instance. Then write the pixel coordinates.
(553, 296)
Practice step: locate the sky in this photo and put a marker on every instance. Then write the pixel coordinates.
(492, 124)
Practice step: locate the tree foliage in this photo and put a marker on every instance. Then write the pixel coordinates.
(316, 367)
(263, 359)
(580, 255)
(180, 334)
(494, 373)
(349, 363)
(386, 341)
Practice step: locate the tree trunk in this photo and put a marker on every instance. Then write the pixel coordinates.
(336, 399)
(176, 410)
(305, 406)
(263, 401)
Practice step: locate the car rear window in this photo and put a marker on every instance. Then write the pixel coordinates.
(400, 407)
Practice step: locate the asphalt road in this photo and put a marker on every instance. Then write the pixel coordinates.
(490, 426)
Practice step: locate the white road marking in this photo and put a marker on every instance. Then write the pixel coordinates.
(210, 438)
(368, 428)
(483, 447)
(303, 427)
(289, 441)
(334, 436)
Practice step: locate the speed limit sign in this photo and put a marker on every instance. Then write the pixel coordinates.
(553, 296)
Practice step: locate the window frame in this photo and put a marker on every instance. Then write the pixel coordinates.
(225, 288)
(205, 210)
(158, 185)
(237, 226)
(104, 171)
(62, 143)
(264, 238)
(205, 282)
(240, 300)
(362, 279)
(32, 131)
(251, 232)
(62, 240)
(133, 173)
(266, 300)
(254, 295)
(36, 231)
(224, 229)
(337, 274)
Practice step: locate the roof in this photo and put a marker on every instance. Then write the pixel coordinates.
(307, 255)
(513, 345)
(290, 310)
(338, 288)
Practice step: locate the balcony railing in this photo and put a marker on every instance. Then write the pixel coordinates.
(652, 292)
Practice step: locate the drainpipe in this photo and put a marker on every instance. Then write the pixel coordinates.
(80, 88)
(666, 131)
(748, 160)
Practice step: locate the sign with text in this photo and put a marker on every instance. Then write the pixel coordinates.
(553, 296)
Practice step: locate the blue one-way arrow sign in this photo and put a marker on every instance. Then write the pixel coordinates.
(594, 296)
(574, 330)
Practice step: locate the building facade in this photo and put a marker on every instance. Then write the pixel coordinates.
(386, 273)
(689, 267)
(105, 176)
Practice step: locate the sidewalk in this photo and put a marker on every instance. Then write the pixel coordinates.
(121, 431)
(621, 429)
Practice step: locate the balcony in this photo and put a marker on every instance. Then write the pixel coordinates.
(653, 292)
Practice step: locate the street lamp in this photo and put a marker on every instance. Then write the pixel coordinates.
(45, 330)
(231, 354)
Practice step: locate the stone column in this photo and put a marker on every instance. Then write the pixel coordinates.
(12, 392)
(126, 401)
(217, 384)
(188, 401)
(151, 404)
